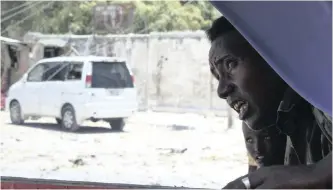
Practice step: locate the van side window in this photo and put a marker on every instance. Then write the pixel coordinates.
(75, 71)
(36, 74)
(56, 71)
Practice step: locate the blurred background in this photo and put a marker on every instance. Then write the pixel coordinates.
(182, 134)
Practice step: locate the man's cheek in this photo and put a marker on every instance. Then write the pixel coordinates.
(246, 78)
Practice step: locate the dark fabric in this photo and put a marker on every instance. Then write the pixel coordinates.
(252, 168)
(325, 123)
(309, 133)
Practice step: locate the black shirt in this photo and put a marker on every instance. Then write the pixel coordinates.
(308, 129)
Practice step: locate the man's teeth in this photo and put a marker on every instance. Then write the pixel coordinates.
(243, 108)
(260, 157)
(239, 106)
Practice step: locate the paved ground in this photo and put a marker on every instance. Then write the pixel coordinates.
(156, 148)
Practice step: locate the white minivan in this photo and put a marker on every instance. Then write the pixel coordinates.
(75, 89)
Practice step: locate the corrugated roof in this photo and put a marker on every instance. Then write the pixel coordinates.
(53, 42)
(11, 41)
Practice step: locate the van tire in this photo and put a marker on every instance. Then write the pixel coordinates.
(117, 124)
(68, 119)
(16, 113)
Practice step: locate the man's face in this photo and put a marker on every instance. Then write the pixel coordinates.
(246, 81)
(267, 146)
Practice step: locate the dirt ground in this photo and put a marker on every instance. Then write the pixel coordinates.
(155, 148)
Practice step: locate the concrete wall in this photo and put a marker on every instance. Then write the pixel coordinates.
(9, 74)
(171, 69)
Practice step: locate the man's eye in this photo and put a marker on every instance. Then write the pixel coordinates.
(230, 64)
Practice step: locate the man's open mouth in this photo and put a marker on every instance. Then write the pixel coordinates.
(241, 107)
(260, 160)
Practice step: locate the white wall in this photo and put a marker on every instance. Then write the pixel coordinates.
(185, 80)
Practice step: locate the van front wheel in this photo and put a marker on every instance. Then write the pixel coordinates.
(16, 113)
(117, 124)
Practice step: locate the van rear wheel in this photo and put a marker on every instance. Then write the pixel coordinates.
(68, 119)
(117, 124)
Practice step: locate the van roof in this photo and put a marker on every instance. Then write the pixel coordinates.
(83, 58)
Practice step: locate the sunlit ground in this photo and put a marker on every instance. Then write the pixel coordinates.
(156, 148)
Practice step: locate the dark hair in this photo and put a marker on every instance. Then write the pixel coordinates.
(219, 27)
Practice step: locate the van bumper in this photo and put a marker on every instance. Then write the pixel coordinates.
(100, 112)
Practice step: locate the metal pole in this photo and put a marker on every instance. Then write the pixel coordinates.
(210, 92)
(230, 121)
(147, 74)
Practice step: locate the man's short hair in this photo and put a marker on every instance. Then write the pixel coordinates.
(219, 27)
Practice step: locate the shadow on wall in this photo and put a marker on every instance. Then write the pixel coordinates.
(158, 76)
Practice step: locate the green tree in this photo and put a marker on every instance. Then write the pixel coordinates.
(173, 15)
(76, 16)
(12, 12)
(64, 17)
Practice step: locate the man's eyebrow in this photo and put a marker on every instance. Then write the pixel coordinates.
(264, 133)
(220, 59)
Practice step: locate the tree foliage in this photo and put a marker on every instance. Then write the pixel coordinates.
(12, 12)
(76, 16)
(172, 15)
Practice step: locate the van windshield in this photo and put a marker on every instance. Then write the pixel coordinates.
(110, 75)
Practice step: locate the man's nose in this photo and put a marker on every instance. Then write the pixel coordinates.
(224, 89)
(258, 147)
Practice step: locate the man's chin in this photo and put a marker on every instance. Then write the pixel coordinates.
(260, 164)
(256, 123)
(251, 121)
